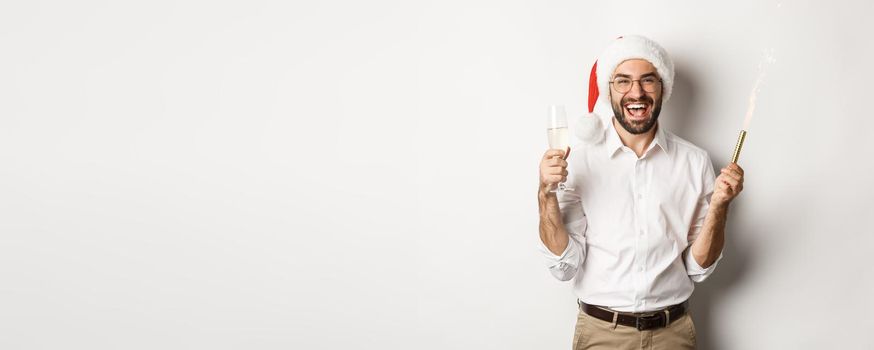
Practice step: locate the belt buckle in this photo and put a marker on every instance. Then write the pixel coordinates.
(645, 319)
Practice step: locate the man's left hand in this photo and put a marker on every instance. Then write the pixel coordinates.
(729, 183)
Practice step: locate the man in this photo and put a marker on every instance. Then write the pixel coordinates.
(644, 218)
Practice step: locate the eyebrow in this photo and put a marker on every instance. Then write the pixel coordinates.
(650, 74)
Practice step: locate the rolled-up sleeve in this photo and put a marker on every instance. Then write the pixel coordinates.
(565, 266)
(693, 269)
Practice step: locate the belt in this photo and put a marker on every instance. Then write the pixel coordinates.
(644, 321)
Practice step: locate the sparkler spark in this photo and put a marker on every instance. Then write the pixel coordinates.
(763, 65)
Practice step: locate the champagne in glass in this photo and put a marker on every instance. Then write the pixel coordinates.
(557, 133)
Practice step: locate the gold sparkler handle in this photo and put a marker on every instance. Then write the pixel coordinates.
(740, 144)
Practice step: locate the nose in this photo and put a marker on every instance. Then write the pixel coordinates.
(636, 89)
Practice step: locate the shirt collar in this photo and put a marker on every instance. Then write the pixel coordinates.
(613, 143)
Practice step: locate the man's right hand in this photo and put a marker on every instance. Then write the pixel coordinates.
(553, 170)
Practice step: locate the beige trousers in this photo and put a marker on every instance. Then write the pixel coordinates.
(594, 334)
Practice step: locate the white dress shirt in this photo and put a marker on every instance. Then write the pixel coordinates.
(632, 220)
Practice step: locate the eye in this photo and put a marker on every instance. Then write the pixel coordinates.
(622, 81)
(649, 80)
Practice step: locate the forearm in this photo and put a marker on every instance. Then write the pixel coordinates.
(708, 245)
(552, 230)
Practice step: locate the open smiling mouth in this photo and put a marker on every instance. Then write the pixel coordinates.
(637, 111)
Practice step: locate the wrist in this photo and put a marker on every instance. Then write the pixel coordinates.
(545, 193)
(545, 190)
(719, 207)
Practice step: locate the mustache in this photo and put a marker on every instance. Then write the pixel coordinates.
(644, 99)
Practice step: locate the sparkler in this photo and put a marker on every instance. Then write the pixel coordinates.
(769, 58)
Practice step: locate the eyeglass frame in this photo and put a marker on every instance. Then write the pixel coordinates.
(659, 80)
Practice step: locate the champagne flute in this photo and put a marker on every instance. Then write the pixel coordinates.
(557, 133)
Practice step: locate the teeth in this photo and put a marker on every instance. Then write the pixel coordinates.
(636, 105)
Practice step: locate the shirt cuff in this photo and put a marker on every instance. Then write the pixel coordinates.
(694, 270)
(556, 258)
(565, 266)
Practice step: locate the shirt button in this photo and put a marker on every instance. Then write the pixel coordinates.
(641, 232)
(640, 196)
(640, 268)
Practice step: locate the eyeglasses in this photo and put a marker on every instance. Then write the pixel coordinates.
(623, 85)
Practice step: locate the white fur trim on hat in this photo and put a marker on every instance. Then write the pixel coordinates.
(634, 47)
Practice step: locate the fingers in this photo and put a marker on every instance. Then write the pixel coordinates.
(553, 167)
(552, 153)
(734, 171)
(555, 171)
(734, 167)
(730, 180)
(554, 179)
(557, 162)
(732, 184)
(731, 173)
(729, 183)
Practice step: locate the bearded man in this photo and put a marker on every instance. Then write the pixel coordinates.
(644, 216)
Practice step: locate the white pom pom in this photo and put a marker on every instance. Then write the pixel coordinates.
(589, 129)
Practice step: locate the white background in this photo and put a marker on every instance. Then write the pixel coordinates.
(345, 174)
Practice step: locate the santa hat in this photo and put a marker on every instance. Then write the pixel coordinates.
(622, 49)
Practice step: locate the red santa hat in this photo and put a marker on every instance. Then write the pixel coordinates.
(626, 48)
(620, 50)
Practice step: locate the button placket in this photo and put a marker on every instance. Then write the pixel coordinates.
(636, 271)
(639, 267)
(640, 219)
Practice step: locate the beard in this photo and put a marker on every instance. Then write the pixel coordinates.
(636, 127)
